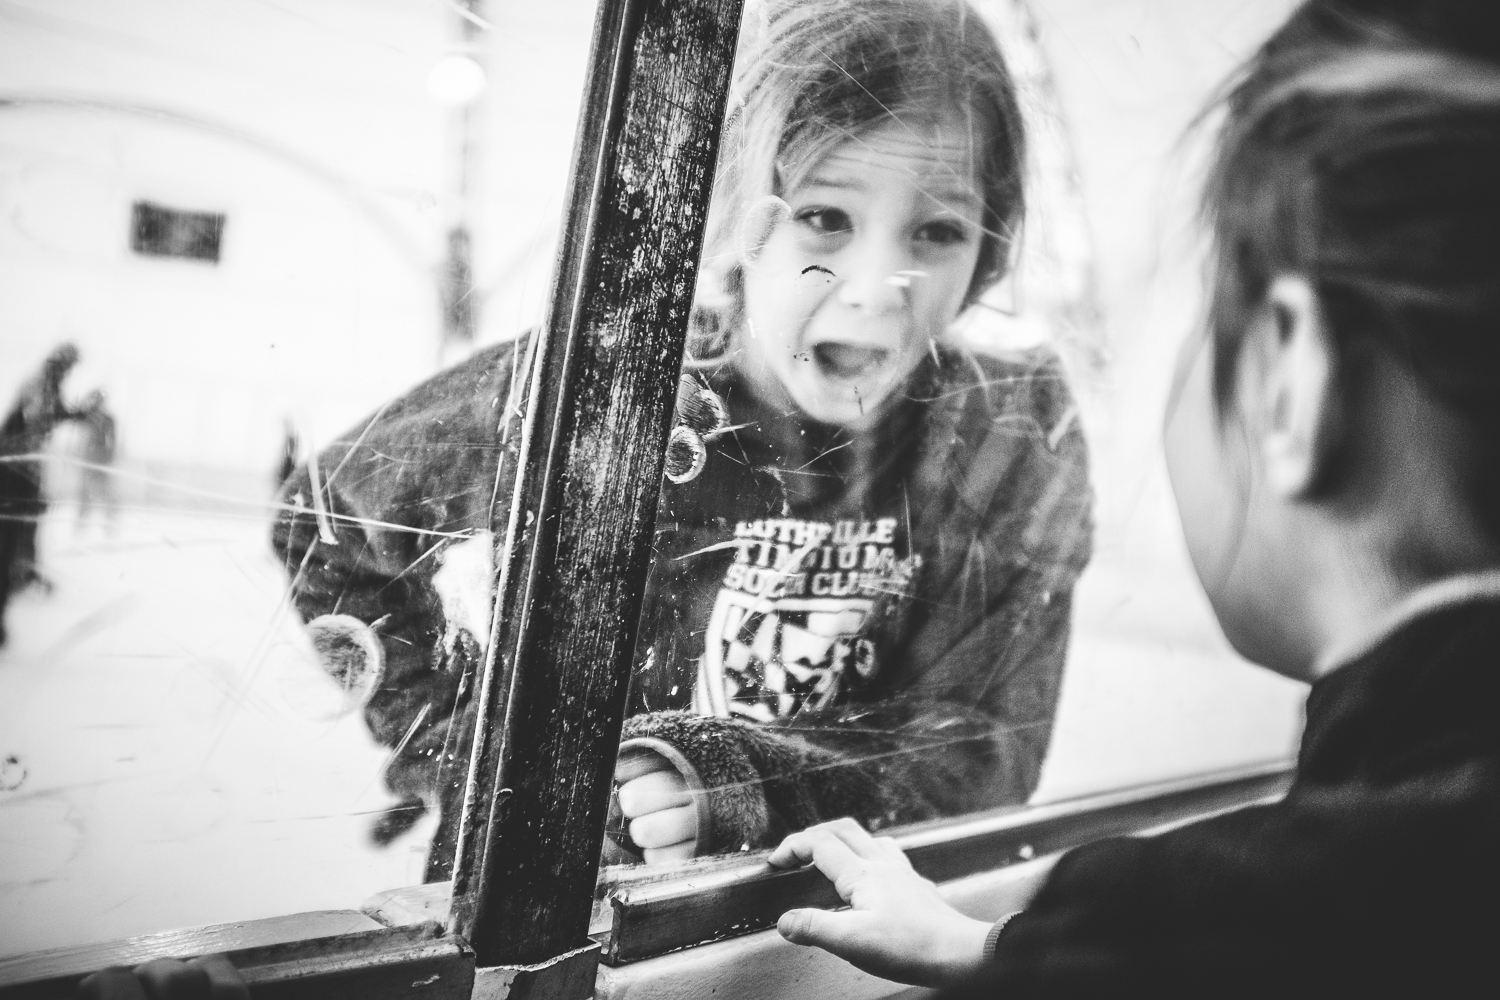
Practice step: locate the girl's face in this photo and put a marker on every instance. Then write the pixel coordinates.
(868, 261)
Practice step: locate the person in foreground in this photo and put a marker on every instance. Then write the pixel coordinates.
(1334, 445)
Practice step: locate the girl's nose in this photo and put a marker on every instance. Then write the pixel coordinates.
(872, 282)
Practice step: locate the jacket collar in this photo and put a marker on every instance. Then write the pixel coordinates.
(1453, 591)
(1429, 679)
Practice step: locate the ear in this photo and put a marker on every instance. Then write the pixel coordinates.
(1299, 419)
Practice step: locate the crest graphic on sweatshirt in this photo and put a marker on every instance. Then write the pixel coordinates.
(786, 635)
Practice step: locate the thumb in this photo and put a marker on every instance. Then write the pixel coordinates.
(819, 928)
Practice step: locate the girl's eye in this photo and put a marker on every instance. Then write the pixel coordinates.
(826, 220)
(943, 232)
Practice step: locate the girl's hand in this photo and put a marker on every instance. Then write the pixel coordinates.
(208, 978)
(658, 807)
(898, 927)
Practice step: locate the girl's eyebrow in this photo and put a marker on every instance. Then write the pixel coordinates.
(962, 197)
(837, 182)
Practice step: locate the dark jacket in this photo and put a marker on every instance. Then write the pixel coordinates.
(828, 630)
(1377, 875)
(36, 412)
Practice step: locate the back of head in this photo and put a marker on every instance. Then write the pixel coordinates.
(1466, 28)
(811, 74)
(1362, 150)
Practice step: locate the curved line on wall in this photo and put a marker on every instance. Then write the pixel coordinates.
(343, 186)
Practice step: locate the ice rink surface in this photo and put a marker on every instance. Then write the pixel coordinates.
(170, 731)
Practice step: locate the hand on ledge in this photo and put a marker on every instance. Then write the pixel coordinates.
(655, 802)
(898, 926)
(208, 978)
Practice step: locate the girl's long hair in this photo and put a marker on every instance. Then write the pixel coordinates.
(811, 74)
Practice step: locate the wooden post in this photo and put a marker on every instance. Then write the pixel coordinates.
(578, 533)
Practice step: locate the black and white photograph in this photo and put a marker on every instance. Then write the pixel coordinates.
(746, 499)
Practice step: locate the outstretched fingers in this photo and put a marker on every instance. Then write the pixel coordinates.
(899, 926)
(841, 850)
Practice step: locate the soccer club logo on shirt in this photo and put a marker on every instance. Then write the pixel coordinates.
(787, 631)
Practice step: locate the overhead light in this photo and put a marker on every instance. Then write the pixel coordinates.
(456, 80)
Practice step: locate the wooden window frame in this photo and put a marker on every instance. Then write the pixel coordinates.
(578, 542)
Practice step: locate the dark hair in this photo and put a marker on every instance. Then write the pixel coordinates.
(1362, 150)
(812, 73)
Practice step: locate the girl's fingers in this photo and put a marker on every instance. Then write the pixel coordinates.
(223, 977)
(653, 792)
(665, 827)
(169, 979)
(633, 765)
(211, 977)
(111, 984)
(673, 852)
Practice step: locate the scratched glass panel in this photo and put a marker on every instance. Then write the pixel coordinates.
(915, 555)
(255, 223)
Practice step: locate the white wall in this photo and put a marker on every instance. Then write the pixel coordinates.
(309, 124)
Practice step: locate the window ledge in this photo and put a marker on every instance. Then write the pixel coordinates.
(747, 894)
(325, 954)
(763, 964)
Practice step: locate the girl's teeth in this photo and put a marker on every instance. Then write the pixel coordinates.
(847, 360)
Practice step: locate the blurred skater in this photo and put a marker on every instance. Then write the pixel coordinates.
(35, 414)
(96, 450)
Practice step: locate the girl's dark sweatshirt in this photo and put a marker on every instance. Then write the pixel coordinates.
(831, 627)
(1378, 874)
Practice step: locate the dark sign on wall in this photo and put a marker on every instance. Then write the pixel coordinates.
(158, 231)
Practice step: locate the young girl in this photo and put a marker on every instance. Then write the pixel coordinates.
(867, 547)
(1334, 444)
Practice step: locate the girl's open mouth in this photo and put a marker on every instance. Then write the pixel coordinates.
(846, 361)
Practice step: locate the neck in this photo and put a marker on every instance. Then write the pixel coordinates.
(1360, 635)
(1401, 535)
(1342, 583)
